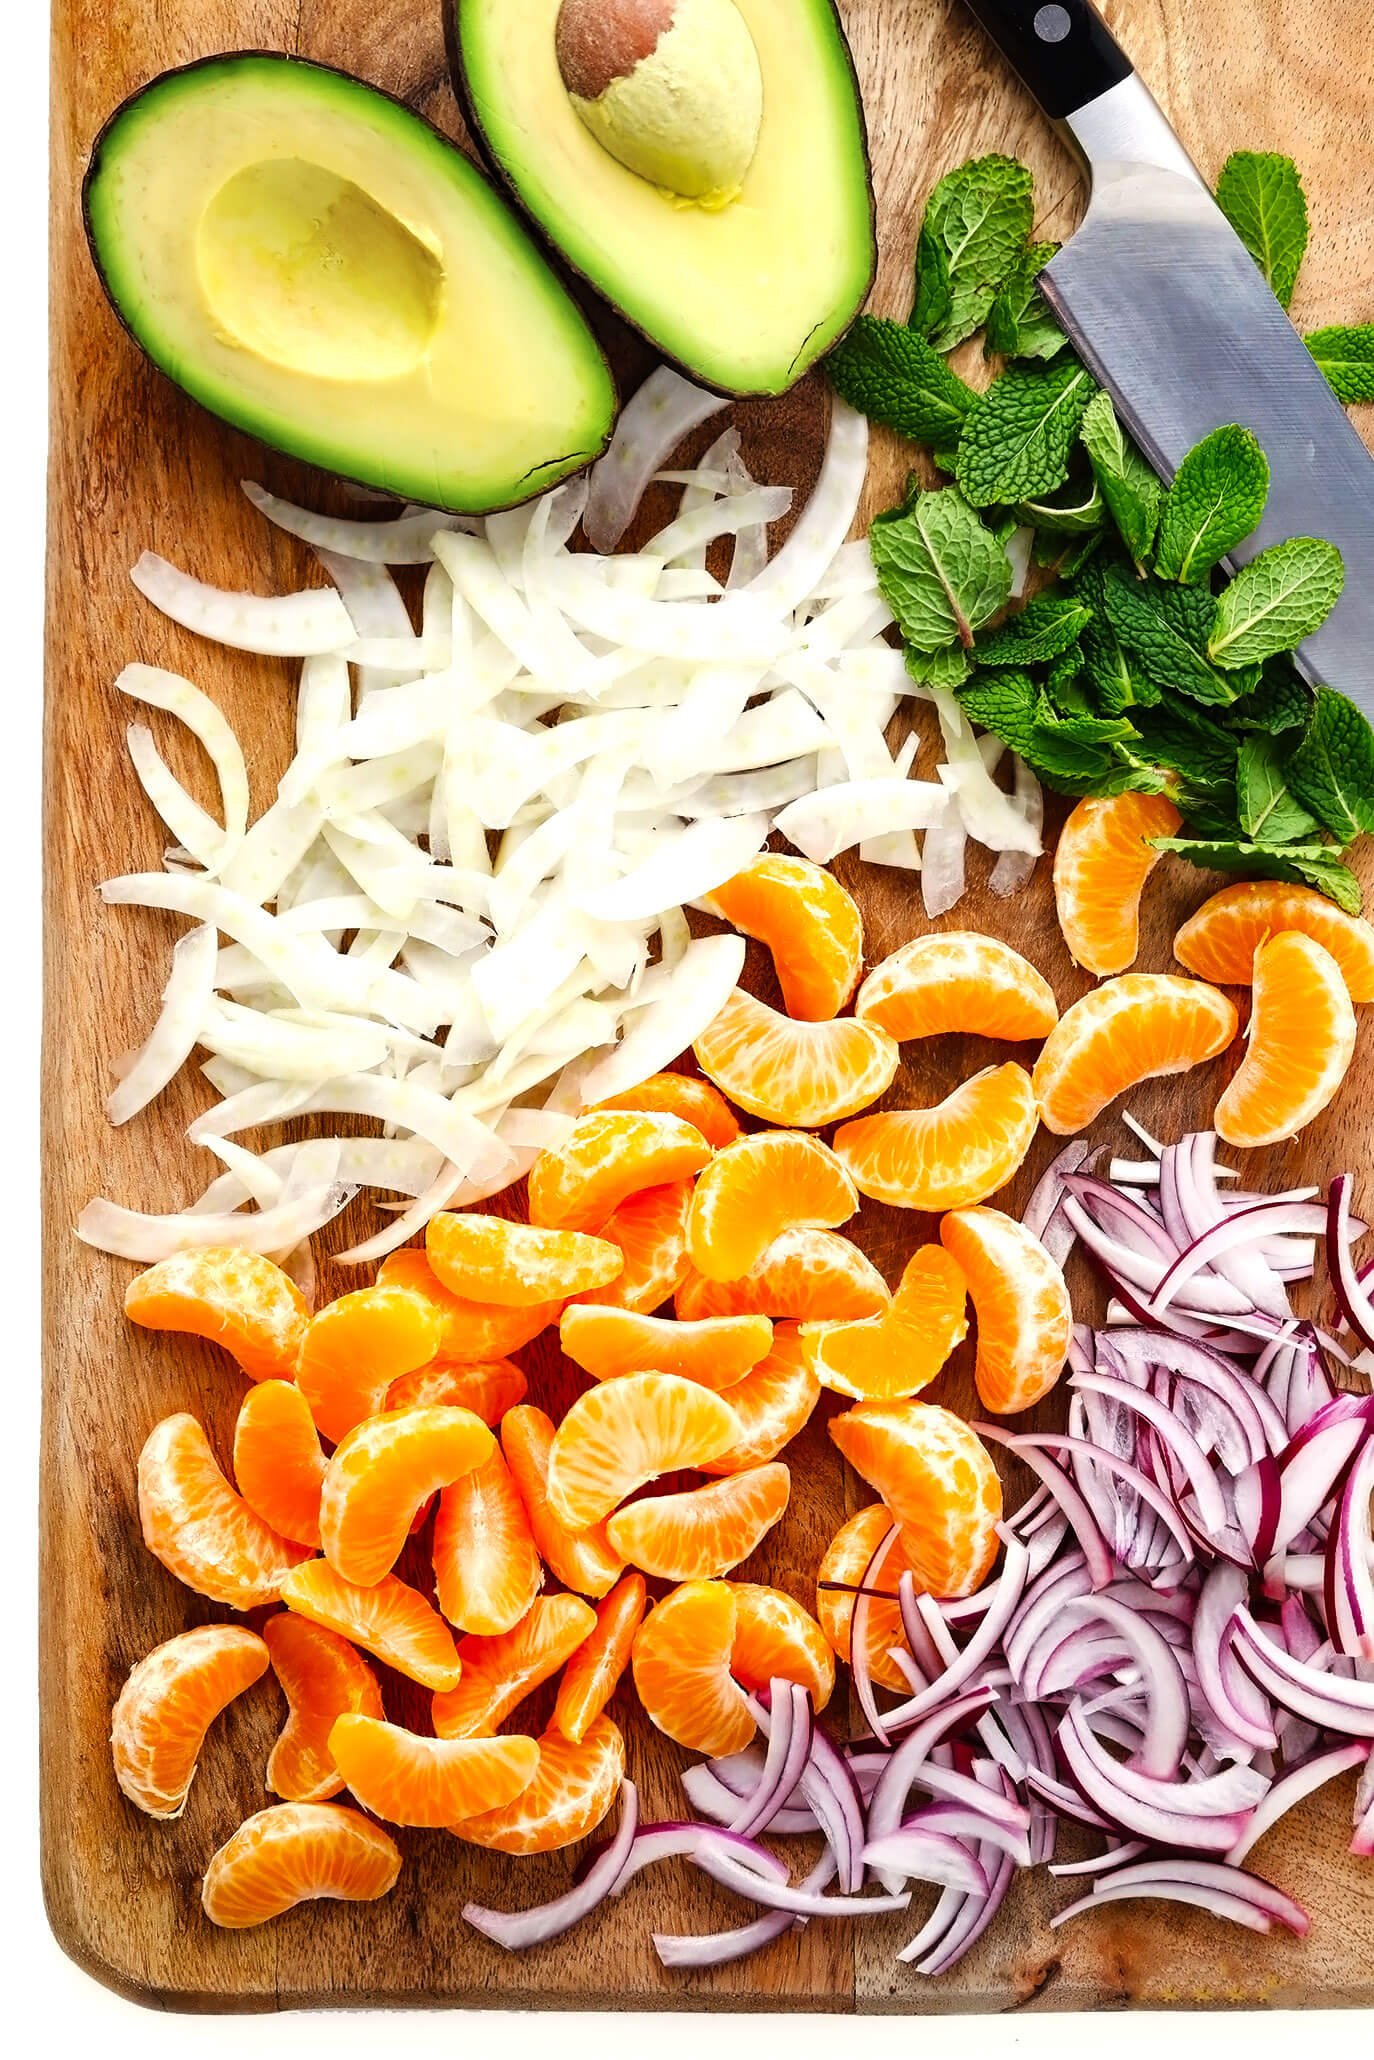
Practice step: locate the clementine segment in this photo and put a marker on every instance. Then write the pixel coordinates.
(810, 925)
(167, 1705)
(593, 1672)
(1219, 942)
(278, 1464)
(491, 1259)
(581, 1559)
(487, 1390)
(885, 1358)
(322, 1677)
(428, 1781)
(382, 1473)
(1022, 1305)
(772, 1402)
(685, 1095)
(681, 1663)
(848, 1565)
(795, 1074)
(294, 1853)
(958, 981)
(229, 1297)
(962, 1150)
(390, 1620)
(626, 1432)
(751, 1192)
(201, 1530)
(651, 1231)
(609, 1343)
(573, 1788)
(356, 1347)
(704, 1531)
(470, 1333)
(775, 1636)
(606, 1158)
(487, 1570)
(1101, 863)
(1300, 1043)
(806, 1274)
(498, 1673)
(1127, 1030)
(937, 1478)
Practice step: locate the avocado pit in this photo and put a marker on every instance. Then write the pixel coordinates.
(672, 89)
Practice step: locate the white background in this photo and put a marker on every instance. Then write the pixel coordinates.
(45, 1997)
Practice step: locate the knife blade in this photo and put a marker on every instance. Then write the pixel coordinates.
(1169, 311)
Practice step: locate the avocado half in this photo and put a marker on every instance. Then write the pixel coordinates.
(744, 297)
(315, 264)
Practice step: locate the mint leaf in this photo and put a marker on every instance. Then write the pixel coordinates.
(1191, 744)
(1217, 498)
(1268, 812)
(1080, 512)
(1159, 636)
(1128, 486)
(1066, 556)
(1346, 355)
(940, 570)
(1261, 196)
(1280, 702)
(1019, 325)
(892, 375)
(1017, 436)
(1075, 755)
(931, 308)
(1043, 628)
(948, 667)
(1276, 600)
(1308, 865)
(1003, 702)
(1113, 673)
(979, 219)
(1062, 688)
(1332, 769)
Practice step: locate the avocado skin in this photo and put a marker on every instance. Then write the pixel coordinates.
(467, 103)
(211, 62)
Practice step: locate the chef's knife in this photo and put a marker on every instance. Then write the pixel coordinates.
(1169, 311)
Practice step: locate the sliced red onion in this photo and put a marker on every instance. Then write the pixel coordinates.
(985, 1640)
(829, 1786)
(889, 1798)
(1116, 1854)
(1155, 1811)
(1351, 1290)
(1293, 1788)
(517, 1929)
(715, 1948)
(1148, 1491)
(965, 1821)
(1314, 1460)
(787, 1725)
(1221, 1891)
(708, 1846)
(800, 1902)
(710, 1797)
(1075, 1505)
(1264, 1427)
(1349, 1586)
(1276, 1218)
(921, 1854)
(1042, 1215)
(1324, 1698)
(1066, 1801)
(1166, 1732)
(858, 1637)
(1174, 1435)
(1232, 1697)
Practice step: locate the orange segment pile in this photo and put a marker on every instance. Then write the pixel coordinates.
(605, 1159)
(1101, 863)
(1022, 1305)
(322, 1677)
(593, 1671)
(626, 1432)
(581, 1558)
(293, 1853)
(487, 1569)
(498, 1673)
(354, 1349)
(703, 1531)
(200, 1528)
(1301, 1041)
(887, 1357)
(773, 1403)
(278, 1464)
(236, 1299)
(573, 1787)
(756, 1189)
(491, 1259)
(845, 1567)
(470, 1333)
(409, 1779)
(390, 1620)
(956, 980)
(795, 1074)
(805, 1274)
(1129, 1029)
(964, 1149)
(608, 1343)
(685, 1095)
(1219, 942)
(936, 1477)
(381, 1474)
(168, 1704)
(809, 923)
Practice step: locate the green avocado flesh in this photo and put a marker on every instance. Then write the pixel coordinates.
(745, 296)
(315, 264)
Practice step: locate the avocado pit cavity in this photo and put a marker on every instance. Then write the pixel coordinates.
(303, 268)
(672, 89)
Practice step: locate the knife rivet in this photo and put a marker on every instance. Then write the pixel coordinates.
(1051, 24)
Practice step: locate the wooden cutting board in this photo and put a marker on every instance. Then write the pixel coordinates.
(135, 465)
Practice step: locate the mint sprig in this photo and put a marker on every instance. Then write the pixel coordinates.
(1216, 500)
(1261, 196)
(893, 376)
(1332, 769)
(1275, 601)
(977, 221)
(940, 570)
(1017, 436)
(1125, 481)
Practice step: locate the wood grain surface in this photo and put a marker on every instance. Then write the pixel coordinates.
(134, 464)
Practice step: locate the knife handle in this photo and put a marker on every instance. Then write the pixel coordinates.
(1062, 49)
